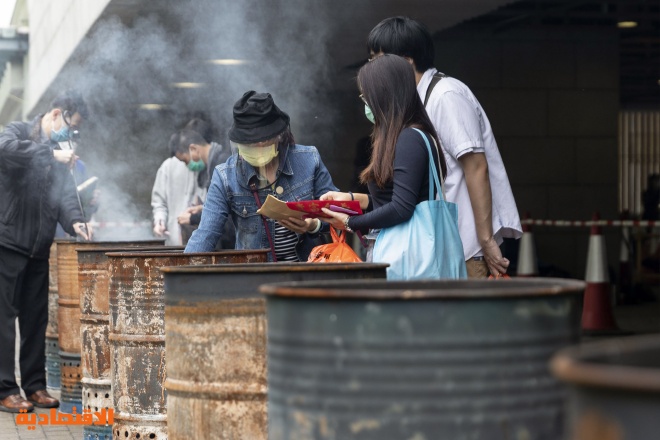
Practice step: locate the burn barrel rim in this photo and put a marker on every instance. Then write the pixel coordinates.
(212, 269)
(426, 289)
(578, 365)
(137, 253)
(108, 249)
(115, 243)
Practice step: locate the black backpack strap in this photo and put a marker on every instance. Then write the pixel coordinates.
(436, 78)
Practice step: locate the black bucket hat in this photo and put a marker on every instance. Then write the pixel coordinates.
(256, 119)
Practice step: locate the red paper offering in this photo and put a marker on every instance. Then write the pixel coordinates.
(312, 208)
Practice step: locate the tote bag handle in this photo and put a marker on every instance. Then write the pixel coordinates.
(432, 171)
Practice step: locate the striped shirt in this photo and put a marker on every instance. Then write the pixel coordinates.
(285, 242)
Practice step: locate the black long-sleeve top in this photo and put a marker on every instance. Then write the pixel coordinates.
(395, 202)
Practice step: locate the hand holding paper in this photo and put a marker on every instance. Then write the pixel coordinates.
(278, 210)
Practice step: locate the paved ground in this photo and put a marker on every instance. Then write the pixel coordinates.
(635, 319)
(10, 431)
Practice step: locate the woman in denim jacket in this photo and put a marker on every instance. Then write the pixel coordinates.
(267, 161)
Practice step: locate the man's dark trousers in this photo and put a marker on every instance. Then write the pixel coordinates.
(23, 294)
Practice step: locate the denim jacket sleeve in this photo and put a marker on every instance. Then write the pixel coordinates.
(322, 179)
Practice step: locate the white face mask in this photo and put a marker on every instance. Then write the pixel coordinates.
(258, 156)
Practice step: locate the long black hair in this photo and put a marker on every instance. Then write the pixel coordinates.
(388, 86)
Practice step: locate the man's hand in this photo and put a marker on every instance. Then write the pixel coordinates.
(497, 264)
(160, 230)
(299, 226)
(67, 157)
(84, 230)
(195, 209)
(184, 218)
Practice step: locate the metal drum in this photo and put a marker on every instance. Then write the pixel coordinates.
(93, 279)
(614, 388)
(69, 315)
(418, 360)
(215, 324)
(68, 329)
(53, 371)
(137, 335)
(68, 312)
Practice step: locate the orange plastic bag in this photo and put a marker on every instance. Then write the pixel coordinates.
(336, 252)
(499, 277)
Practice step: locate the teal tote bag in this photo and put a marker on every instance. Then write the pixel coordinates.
(428, 245)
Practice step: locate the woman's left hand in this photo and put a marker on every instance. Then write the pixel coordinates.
(299, 226)
(337, 218)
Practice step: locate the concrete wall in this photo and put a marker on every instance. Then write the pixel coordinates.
(552, 98)
(11, 89)
(56, 28)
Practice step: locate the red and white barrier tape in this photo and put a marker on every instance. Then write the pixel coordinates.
(589, 223)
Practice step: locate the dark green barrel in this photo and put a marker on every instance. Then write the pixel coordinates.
(215, 333)
(614, 388)
(418, 360)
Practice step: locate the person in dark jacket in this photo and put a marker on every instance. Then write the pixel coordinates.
(36, 192)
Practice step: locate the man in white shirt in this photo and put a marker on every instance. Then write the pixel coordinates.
(476, 181)
(175, 190)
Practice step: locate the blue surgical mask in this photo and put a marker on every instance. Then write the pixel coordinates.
(196, 165)
(369, 114)
(61, 135)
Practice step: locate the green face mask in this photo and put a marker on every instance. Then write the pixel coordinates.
(258, 156)
(369, 114)
(196, 165)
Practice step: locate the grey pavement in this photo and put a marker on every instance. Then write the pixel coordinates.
(9, 430)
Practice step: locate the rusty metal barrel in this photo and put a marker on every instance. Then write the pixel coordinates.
(215, 323)
(53, 371)
(614, 388)
(68, 318)
(137, 335)
(381, 360)
(68, 315)
(93, 283)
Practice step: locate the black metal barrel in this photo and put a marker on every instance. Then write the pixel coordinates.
(418, 360)
(137, 335)
(215, 323)
(614, 388)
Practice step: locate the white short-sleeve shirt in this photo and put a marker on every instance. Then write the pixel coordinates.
(463, 127)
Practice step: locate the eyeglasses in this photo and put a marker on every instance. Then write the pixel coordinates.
(364, 100)
(73, 129)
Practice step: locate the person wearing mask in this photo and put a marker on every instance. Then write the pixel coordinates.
(36, 192)
(397, 174)
(265, 161)
(203, 156)
(174, 190)
(476, 181)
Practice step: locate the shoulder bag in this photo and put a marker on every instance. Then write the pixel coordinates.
(428, 245)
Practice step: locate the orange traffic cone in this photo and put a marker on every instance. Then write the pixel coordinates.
(597, 309)
(527, 263)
